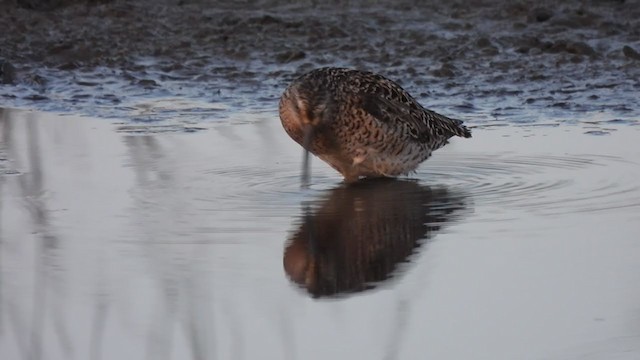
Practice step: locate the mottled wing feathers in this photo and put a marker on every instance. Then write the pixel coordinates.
(447, 126)
(388, 102)
(393, 112)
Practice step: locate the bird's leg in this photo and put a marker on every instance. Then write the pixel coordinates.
(306, 143)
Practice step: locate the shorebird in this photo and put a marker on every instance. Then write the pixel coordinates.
(362, 124)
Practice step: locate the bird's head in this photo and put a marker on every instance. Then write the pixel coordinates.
(305, 114)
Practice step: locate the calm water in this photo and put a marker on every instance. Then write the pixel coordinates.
(134, 241)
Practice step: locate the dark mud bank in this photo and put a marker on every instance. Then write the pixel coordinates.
(478, 60)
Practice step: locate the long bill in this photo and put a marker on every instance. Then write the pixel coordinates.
(306, 143)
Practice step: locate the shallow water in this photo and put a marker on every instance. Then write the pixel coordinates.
(126, 240)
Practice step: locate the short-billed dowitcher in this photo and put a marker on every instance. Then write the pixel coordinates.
(362, 124)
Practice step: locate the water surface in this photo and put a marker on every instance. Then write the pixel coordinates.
(120, 240)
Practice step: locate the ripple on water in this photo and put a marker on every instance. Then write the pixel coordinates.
(544, 184)
(134, 129)
(258, 187)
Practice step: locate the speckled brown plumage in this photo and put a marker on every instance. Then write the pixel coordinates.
(363, 124)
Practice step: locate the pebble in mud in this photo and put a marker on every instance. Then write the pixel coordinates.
(630, 52)
(445, 71)
(487, 47)
(147, 83)
(580, 48)
(483, 42)
(290, 56)
(539, 15)
(7, 73)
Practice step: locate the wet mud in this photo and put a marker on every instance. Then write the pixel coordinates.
(483, 61)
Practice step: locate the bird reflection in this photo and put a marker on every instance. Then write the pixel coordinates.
(359, 233)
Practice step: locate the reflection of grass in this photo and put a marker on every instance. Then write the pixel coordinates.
(175, 304)
(158, 209)
(4, 138)
(31, 187)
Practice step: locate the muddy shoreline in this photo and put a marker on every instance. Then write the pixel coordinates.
(482, 60)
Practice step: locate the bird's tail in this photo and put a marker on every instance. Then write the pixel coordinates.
(455, 126)
(463, 131)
